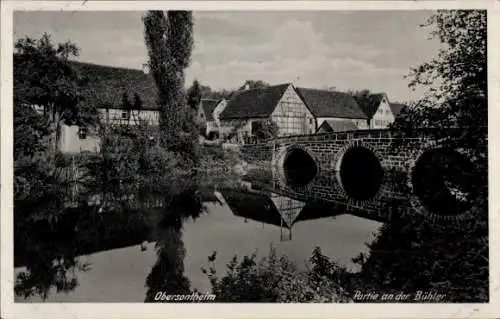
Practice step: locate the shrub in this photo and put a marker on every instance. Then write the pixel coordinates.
(274, 279)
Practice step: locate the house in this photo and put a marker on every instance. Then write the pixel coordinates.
(279, 104)
(296, 111)
(107, 88)
(333, 111)
(380, 111)
(121, 96)
(209, 113)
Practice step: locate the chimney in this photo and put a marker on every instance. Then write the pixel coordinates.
(145, 68)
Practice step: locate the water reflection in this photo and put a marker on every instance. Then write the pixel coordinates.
(167, 274)
(261, 205)
(245, 218)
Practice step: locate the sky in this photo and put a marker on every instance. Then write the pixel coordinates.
(344, 49)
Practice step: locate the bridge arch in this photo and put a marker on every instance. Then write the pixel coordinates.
(359, 171)
(441, 180)
(297, 165)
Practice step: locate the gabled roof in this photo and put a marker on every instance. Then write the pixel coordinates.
(370, 107)
(396, 108)
(255, 103)
(209, 106)
(253, 206)
(105, 86)
(338, 126)
(323, 103)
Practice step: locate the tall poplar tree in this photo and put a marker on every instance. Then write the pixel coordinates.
(169, 39)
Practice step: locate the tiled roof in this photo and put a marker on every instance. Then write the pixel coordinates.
(105, 86)
(324, 103)
(339, 126)
(396, 108)
(255, 103)
(209, 106)
(370, 107)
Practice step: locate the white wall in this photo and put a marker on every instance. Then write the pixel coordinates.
(215, 125)
(108, 116)
(70, 142)
(218, 110)
(383, 116)
(212, 127)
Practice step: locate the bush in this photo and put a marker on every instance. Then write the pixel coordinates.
(274, 279)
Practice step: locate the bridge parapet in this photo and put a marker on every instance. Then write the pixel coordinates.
(425, 133)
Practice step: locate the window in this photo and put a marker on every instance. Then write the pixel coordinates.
(82, 133)
(310, 121)
(124, 115)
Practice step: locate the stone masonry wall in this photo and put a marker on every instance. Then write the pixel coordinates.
(396, 155)
(257, 153)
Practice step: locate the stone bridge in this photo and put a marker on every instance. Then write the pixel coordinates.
(373, 167)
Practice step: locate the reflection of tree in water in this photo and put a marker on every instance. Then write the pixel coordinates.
(167, 275)
(49, 240)
(47, 247)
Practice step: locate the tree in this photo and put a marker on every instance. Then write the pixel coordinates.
(207, 92)
(452, 257)
(251, 84)
(456, 79)
(411, 254)
(44, 77)
(137, 101)
(367, 100)
(126, 105)
(265, 129)
(191, 121)
(137, 105)
(455, 104)
(169, 41)
(31, 165)
(194, 95)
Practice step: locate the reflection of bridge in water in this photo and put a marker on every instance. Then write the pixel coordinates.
(263, 202)
(374, 171)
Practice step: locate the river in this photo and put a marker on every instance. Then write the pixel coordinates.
(235, 222)
(402, 252)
